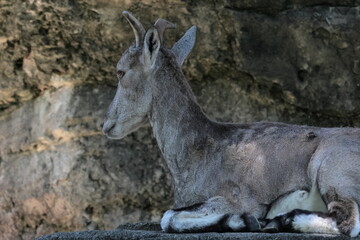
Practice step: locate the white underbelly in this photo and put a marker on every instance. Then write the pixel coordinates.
(299, 199)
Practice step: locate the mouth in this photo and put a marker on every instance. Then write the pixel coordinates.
(125, 128)
(113, 136)
(109, 133)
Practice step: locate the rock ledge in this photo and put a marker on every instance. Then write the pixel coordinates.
(152, 231)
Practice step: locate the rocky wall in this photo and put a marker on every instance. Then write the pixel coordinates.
(292, 61)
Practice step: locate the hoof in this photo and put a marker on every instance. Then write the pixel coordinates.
(271, 227)
(251, 222)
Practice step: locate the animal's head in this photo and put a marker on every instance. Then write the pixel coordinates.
(136, 72)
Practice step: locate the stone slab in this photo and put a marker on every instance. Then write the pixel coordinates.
(152, 231)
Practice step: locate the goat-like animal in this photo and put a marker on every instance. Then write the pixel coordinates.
(250, 177)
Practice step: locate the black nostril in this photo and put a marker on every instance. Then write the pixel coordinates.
(108, 127)
(102, 124)
(111, 127)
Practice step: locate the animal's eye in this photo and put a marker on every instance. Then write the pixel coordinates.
(120, 74)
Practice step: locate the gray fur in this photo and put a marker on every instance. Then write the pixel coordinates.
(249, 165)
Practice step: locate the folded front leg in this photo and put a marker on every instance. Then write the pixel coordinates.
(214, 215)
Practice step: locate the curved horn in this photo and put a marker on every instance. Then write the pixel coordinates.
(161, 25)
(137, 27)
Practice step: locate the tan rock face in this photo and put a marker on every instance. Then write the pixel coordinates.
(289, 61)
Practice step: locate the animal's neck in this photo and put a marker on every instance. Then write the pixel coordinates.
(177, 120)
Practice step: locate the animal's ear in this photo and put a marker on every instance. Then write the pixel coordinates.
(183, 47)
(152, 45)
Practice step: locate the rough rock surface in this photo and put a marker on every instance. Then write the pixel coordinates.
(152, 231)
(288, 60)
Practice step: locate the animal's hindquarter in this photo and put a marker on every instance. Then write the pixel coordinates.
(324, 158)
(272, 163)
(336, 164)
